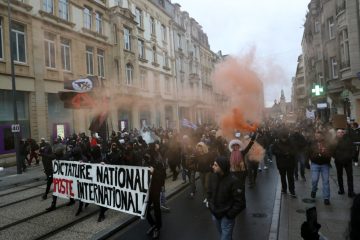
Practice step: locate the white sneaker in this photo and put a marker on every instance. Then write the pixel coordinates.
(356, 164)
(265, 167)
(205, 200)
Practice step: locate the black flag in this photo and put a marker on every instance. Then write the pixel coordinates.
(82, 85)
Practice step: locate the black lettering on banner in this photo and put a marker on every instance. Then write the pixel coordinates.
(137, 180)
(88, 175)
(99, 174)
(106, 175)
(82, 171)
(80, 188)
(117, 187)
(55, 167)
(122, 177)
(129, 178)
(124, 201)
(117, 198)
(111, 170)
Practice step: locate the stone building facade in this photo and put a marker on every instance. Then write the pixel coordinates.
(153, 59)
(331, 54)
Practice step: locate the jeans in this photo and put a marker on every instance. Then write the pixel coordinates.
(225, 227)
(162, 196)
(322, 169)
(269, 153)
(300, 159)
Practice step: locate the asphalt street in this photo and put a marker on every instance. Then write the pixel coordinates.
(190, 219)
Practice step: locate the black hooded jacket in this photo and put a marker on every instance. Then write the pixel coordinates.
(224, 194)
(344, 150)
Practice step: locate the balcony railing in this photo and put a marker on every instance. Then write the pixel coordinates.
(194, 77)
(341, 7)
(345, 64)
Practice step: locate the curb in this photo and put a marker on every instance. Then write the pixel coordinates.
(275, 221)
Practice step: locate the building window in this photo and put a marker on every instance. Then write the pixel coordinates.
(119, 3)
(181, 64)
(49, 45)
(179, 41)
(1, 40)
(331, 28)
(127, 39)
(48, 6)
(154, 55)
(115, 34)
(129, 74)
(166, 59)
(65, 54)
(87, 18)
(152, 26)
(89, 61)
(334, 68)
(98, 22)
(163, 33)
(117, 67)
(18, 44)
(141, 47)
(138, 17)
(344, 49)
(101, 63)
(167, 85)
(317, 26)
(64, 9)
(143, 82)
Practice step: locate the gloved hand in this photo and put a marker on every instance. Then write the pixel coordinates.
(253, 137)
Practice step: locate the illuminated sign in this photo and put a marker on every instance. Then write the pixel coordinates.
(317, 90)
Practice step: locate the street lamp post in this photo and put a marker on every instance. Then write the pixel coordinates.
(16, 133)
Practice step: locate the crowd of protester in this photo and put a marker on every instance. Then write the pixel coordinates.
(223, 164)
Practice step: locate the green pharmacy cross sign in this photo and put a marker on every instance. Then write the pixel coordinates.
(317, 90)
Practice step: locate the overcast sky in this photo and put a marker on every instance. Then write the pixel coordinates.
(273, 27)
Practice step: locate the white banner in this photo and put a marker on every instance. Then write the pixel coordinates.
(310, 114)
(122, 188)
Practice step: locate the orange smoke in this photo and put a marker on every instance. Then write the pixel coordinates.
(236, 120)
(237, 79)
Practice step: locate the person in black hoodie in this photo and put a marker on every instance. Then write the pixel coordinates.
(225, 199)
(343, 155)
(283, 150)
(23, 153)
(47, 156)
(158, 172)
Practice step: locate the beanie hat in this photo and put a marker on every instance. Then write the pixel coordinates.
(223, 163)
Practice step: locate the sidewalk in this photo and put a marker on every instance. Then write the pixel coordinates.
(9, 178)
(334, 219)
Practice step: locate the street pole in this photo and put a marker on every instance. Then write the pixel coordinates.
(16, 134)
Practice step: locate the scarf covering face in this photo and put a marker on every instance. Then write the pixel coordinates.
(237, 163)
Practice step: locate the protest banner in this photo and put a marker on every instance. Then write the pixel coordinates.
(118, 187)
(339, 121)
